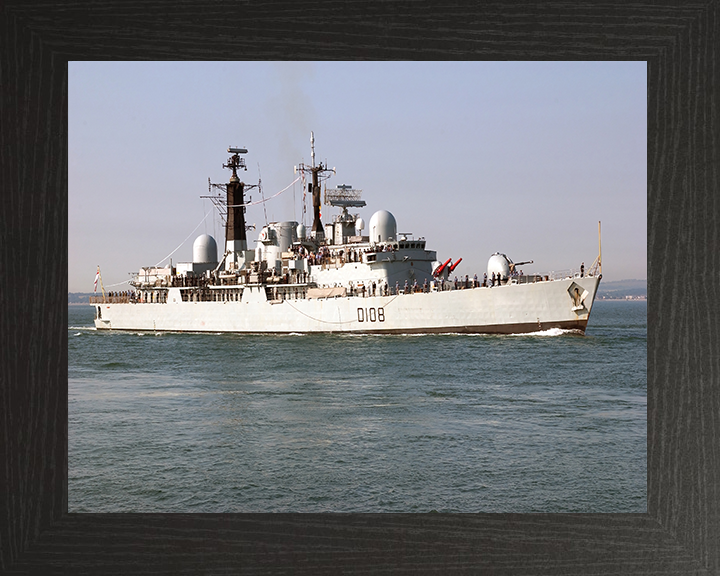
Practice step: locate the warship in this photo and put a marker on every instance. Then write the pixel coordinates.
(338, 277)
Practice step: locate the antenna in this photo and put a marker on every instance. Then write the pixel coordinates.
(596, 267)
(262, 194)
(312, 148)
(344, 196)
(318, 174)
(235, 162)
(599, 249)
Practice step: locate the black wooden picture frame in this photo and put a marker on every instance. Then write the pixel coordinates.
(681, 530)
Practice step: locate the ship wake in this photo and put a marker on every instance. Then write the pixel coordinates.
(549, 332)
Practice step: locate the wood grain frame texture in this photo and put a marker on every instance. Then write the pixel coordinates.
(681, 530)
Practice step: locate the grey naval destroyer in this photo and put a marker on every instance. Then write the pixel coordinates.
(338, 277)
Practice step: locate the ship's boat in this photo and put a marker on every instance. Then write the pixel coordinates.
(338, 277)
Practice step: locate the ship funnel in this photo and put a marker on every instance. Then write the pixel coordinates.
(235, 235)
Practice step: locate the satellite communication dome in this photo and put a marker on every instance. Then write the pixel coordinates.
(301, 231)
(382, 227)
(500, 265)
(204, 249)
(359, 226)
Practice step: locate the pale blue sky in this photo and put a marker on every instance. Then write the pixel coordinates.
(517, 157)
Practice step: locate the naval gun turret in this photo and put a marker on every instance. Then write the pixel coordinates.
(514, 265)
(500, 265)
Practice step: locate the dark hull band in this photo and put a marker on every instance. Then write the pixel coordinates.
(520, 328)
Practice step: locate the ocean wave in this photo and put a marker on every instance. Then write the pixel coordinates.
(548, 332)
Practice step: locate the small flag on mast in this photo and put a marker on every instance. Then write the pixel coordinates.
(97, 276)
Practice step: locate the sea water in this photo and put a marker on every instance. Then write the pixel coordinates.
(548, 422)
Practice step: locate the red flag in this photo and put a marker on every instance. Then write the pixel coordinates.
(96, 278)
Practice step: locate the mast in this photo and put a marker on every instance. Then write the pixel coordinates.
(314, 187)
(599, 249)
(235, 234)
(596, 268)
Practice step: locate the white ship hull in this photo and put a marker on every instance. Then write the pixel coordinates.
(334, 278)
(511, 308)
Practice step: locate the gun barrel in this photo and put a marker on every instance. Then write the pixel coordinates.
(441, 268)
(455, 265)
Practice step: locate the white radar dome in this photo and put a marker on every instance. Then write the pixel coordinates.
(500, 265)
(204, 249)
(382, 227)
(301, 231)
(359, 226)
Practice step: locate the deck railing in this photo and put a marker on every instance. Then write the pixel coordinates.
(109, 299)
(205, 295)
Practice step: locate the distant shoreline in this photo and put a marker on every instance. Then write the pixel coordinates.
(634, 299)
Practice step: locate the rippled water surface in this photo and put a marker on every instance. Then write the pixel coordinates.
(550, 422)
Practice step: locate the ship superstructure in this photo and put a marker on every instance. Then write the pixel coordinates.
(339, 277)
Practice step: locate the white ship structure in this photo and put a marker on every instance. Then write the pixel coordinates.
(338, 277)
